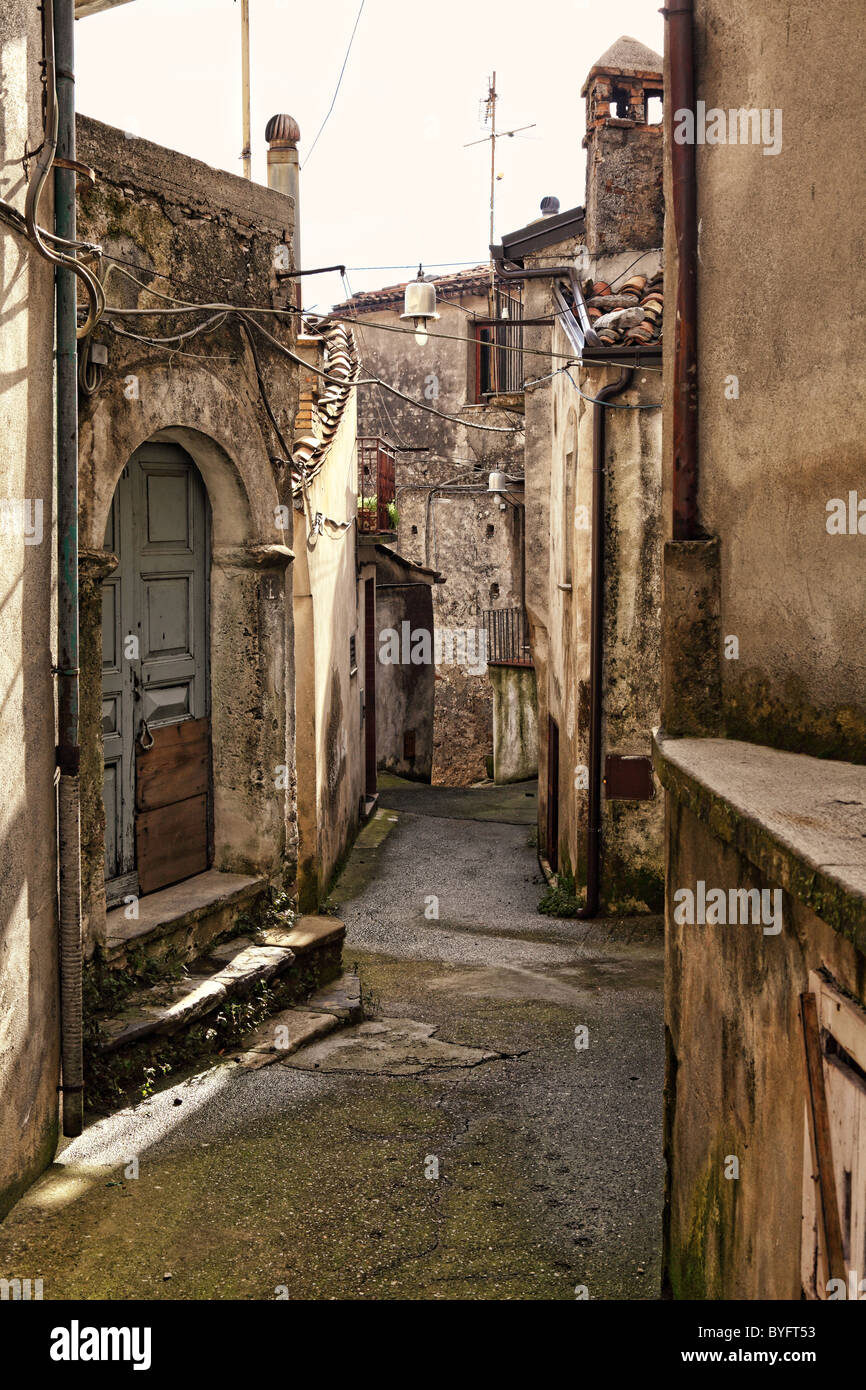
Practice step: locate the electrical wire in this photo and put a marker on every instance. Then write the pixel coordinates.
(613, 405)
(339, 84)
(386, 386)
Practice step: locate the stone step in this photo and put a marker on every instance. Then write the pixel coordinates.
(230, 971)
(307, 933)
(182, 920)
(284, 1034)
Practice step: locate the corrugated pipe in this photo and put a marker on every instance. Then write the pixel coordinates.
(596, 649)
(686, 526)
(68, 751)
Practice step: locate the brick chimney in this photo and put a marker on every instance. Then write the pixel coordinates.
(624, 195)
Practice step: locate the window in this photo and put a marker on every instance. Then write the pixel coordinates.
(499, 350)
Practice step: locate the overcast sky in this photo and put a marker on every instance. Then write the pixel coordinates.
(390, 181)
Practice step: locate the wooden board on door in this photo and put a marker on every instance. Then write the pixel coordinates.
(171, 822)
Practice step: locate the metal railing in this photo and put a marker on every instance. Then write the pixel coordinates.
(508, 641)
(376, 485)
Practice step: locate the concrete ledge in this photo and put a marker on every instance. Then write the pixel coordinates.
(800, 820)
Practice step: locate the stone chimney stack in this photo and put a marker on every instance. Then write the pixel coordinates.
(624, 194)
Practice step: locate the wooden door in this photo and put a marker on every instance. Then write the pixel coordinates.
(155, 675)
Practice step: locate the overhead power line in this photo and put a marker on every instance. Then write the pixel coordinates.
(339, 84)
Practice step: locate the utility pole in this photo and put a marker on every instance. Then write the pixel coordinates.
(490, 116)
(246, 152)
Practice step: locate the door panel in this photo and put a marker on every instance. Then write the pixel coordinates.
(155, 670)
(171, 804)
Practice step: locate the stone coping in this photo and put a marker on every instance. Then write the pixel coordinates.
(800, 820)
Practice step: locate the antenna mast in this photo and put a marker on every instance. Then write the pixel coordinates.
(490, 116)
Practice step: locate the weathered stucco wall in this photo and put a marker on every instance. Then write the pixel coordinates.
(328, 604)
(29, 1009)
(763, 620)
(204, 236)
(460, 530)
(515, 723)
(559, 452)
(791, 593)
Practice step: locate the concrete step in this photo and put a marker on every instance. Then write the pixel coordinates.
(230, 971)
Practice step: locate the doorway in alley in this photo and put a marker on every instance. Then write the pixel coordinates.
(155, 685)
(553, 794)
(370, 686)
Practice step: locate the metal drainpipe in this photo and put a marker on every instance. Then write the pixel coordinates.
(596, 651)
(68, 751)
(680, 20)
(555, 272)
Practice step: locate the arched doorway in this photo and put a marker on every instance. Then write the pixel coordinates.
(155, 675)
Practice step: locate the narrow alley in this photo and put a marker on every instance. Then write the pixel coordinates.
(457, 1144)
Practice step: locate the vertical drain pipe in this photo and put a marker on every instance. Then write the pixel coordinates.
(596, 649)
(680, 18)
(68, 751)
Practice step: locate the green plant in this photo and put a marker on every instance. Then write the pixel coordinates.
(561, 899)
(393, 515)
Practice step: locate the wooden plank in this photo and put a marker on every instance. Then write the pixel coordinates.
(175, 768)
(842, 1017)
(819, 1129)
(171, 843)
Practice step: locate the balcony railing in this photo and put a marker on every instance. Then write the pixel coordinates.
(507, 637)
(376, 485)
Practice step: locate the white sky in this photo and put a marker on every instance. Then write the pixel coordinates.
(390, 181)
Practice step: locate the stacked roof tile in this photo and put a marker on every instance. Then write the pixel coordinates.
(320, 416)
(631, 315)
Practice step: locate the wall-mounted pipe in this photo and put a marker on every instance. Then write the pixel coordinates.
(68, 751)
(686, 526)
(554, 272)
(596, 649)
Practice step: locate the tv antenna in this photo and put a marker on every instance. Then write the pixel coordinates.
(489, 109)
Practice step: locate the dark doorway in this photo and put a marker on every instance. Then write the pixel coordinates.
(553, 794)
(370, 684)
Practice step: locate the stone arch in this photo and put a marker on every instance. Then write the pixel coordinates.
(250, 613)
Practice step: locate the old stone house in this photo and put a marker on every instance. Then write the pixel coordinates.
(593, 305)
(763, 733)
(446, 519)
(192, 457)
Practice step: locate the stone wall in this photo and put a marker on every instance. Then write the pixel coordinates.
(559, 454)
(204, 237)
